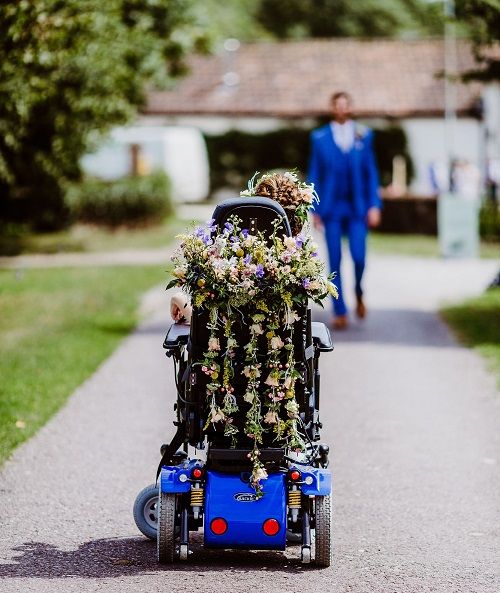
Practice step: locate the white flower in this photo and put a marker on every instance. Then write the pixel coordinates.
(256, 329)
(292, 408)
(276, 343)
(290, 317)
(289, 243)
(218, 415)
(287, 382)
(249, 397)
(290, 176)
(258, 474)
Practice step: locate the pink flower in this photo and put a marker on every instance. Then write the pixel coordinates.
(213, 344)
(271, 417)
(272, 380)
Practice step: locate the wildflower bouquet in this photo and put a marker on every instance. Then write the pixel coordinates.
(230, 273)
(295, 196)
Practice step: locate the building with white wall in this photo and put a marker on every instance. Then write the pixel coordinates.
(268, 85)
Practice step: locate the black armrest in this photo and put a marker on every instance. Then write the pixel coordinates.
(177, 335)
(321, 336)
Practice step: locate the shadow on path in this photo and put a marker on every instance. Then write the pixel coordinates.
(404, 327)
(105, 558)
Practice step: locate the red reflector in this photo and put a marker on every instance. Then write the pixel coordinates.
(197, 472)
(218, 526)
(271, 527)
(294, 475)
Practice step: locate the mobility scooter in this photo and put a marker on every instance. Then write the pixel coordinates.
(216, 493)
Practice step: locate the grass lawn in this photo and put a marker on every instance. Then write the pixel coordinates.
(56, 327)
(420, 245)
(477, 322)
(86, 238)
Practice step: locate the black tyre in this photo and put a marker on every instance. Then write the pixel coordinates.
(323, 544)
(146, 511)
(165, 540)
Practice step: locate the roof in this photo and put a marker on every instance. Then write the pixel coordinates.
(389, 78)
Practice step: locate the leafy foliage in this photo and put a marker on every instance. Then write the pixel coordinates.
(482, 21)
(344, 18)
(70, 70)
(235, 155)
(130, 201)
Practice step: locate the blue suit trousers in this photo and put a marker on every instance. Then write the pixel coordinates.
(355, 228)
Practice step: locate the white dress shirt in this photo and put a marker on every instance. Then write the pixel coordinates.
(343, 134)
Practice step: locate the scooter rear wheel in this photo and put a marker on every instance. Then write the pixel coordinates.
(165, 542)
(323, 532)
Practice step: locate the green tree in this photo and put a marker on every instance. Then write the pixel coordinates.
(481, 19)
(348, 18)
(69, 70)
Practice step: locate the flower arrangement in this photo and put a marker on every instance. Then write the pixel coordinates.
(270, 278)
(296, 197)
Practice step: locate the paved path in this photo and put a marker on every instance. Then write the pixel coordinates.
(413, 419)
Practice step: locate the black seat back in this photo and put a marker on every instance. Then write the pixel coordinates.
(256, 214)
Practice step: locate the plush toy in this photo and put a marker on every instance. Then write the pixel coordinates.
(180, 309)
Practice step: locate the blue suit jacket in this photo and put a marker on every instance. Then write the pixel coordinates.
(364, 173)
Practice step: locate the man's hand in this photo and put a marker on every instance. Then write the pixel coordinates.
(373, 217)
(317, 222)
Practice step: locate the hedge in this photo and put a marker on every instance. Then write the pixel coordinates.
(235, 156)
(131, 201)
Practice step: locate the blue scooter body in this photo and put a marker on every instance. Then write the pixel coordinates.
(227, 496)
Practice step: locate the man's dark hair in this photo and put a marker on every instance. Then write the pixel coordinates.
(340, 95)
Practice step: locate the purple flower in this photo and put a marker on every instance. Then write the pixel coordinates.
(314, 254)
(244, 232)
(247, 259)
(228, 226)
(306, 283)
(259, 272)
(299, 241)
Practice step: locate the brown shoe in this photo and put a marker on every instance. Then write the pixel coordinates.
(340, 322)
(360, 308)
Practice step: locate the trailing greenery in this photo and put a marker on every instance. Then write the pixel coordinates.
(235, 155)
(69, 71)
(131, 201)
(56, 327)
(477, 323)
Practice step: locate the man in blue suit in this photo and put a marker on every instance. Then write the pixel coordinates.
(343, 169)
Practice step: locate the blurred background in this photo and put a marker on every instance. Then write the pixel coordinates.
(111, 116)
